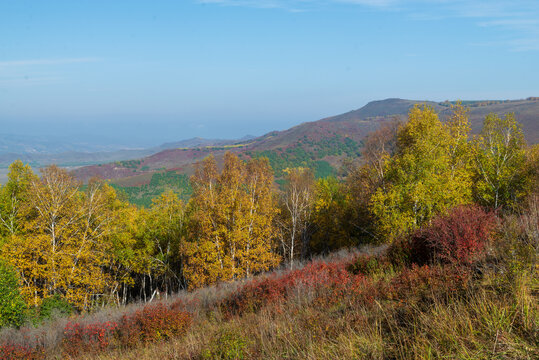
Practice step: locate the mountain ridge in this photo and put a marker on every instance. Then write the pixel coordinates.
(313, 143)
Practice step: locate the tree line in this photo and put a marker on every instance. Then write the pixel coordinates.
(90, 247)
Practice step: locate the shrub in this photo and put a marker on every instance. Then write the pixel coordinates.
(426, 281)
(19, 352)
(152, 323)
(228, 345)
(54, 306)
(398, 253)
(328, 283)
(88, 338)
(458, 238)
(12, 306)
(370, 265)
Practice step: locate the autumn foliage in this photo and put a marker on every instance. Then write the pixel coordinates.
(232, 230)
(148, 324)
(20, 352)
(431, 196)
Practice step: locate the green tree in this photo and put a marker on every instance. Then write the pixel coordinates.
(422, 178)
(500, 157)
(12, 305)
(164, 229)
(329, 217)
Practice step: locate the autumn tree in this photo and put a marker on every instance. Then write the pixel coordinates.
(421, 179)
(296, 209)
(130, 254)
(231, 230)
(330, 218)
(366, 177)
(164, 227)
(499, 158)
(205, 252)
(13, 196)
(258, 249)
(62, 250)
(379, 146)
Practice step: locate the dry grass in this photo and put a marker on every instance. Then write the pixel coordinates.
(496, 316)
(486, 322)
(480, 326)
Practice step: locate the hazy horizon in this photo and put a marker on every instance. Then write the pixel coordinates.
(144, 73)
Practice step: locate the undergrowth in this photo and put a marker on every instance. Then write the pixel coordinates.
(446, 292)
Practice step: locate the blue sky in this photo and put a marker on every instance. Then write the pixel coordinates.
(146, 72)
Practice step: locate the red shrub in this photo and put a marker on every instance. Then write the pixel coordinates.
(152, 323)
(420, 281)
(91, 338)
(19, 352)
(461, 236)
(457, 238)
(329, 282)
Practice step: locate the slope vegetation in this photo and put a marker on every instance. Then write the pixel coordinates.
(320, 145)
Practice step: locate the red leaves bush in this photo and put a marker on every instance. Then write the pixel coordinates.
(426, 281)
(151, 323)
(89, 338)
(20, 352)
(327, 282)
(458, 238)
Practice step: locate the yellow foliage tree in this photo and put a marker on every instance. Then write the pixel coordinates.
(231, 229)
(62, 249)
(13, 196)
(499, 159)
(427, 175)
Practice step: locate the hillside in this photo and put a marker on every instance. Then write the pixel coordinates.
(361, 304)
(320, 145)
(426, 261)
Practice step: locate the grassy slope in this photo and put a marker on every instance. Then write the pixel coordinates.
(367, 305)
(422, 313)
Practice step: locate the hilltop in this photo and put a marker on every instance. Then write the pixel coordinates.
(320, 145)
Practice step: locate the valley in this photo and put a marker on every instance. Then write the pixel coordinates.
(320, 145)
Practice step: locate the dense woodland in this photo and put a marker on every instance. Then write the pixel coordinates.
(79, 248)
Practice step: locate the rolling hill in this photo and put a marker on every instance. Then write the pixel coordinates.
(320, 145)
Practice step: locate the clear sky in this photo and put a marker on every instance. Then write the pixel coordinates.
(155, 71)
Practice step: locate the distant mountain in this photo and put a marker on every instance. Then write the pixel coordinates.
(526, 112)
(193, 142)
(42, 151)
(319, 144)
